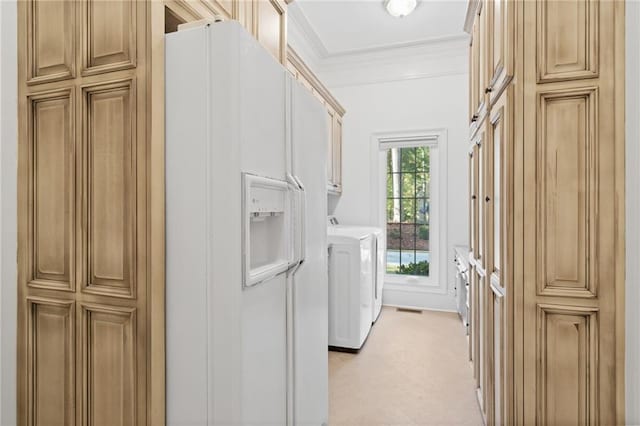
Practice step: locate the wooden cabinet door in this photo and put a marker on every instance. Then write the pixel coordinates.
(498, 198)
(482, 195)
(475, 72)
(330, 145)
(498, 355)
(83, 328)
(271, 27)
(482, 36)
(574, 226)
(337, 153)
(498, 227)
(500, 44)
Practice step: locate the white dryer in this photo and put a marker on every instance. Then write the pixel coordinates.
(350, 287)
(379, 264)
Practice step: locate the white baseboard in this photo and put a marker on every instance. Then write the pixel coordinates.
(419, 300)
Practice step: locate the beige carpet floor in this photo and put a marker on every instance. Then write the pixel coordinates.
(413, 370)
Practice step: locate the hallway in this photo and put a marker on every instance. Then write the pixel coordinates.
(413, 370)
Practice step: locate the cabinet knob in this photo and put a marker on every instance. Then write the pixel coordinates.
(473, 197)
(488, 90)
(487, 199)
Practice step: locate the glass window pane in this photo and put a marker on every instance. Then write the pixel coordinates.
(393, 185)
(422, 185)
(408, 241)
(422, 159)
(408, 159)
(408, 210)
(393, 248)
(422, 210)
(422, 238)
(408, 185)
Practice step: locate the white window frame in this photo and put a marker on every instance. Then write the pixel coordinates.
(436, 140)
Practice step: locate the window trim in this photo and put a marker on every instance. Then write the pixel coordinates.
(436, 282)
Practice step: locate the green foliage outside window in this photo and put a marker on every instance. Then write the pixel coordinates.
(420, 268)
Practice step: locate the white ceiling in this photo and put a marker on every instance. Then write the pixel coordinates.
(352, 26)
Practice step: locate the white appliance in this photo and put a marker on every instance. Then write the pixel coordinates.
(379, 249)
(246, 299)
(350, 287)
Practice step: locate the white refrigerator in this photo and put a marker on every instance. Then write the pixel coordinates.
(246, 243)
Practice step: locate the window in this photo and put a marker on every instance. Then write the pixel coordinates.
(408, 189)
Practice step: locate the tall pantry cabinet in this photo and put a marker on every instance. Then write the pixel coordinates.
(546, 210)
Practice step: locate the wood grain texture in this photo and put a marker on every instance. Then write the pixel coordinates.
(560, 241)
(109, 119)
(51, 362)
(109, 35)
(108, 365)
(567, 196)
(568, 373)
(83, 215)
(568, 40)
(52, 190)
(50, 36)
(271, 27)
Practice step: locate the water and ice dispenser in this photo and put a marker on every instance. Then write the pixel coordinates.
(267, 243)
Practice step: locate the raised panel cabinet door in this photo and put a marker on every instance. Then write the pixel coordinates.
(567, 191)
(51, 39)
(497, 199)
(108, 365)
(472, 201)
(483, 69)
(330, 145)
(500, 44)
(498, 355)
(475, 324)
(246, 15)
(567, 39)
(51, 191)
(51, 362)
(271, 27)
(480, 141)
(109, 119)
(475, 70)
(337, 152)
(483, 341)
(109, 35)
(568, 356)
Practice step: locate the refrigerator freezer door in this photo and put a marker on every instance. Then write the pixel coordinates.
(310, 282)
(225, 116)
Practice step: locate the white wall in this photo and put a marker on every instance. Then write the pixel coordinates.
(8, 210)
(398, 106)
(632, 310)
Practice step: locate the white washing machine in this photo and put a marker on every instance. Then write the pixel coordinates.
(379, 249)
(350, 287)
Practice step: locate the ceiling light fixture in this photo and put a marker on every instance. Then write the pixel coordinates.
(400, 8)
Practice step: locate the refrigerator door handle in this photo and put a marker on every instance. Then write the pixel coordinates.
(303, 220)
(295, 257)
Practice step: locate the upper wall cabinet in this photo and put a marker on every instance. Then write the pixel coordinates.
(501, 33)
(335, 113)
(271, 24)
(266, 20)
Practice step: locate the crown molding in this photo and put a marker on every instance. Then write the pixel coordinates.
(434, 57)
(298, 22)
(428, 44)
